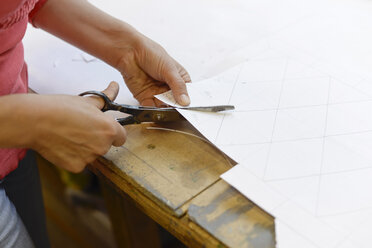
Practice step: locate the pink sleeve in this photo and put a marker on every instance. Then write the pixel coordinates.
(34, 11)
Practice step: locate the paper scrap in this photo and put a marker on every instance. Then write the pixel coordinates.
(302, 136)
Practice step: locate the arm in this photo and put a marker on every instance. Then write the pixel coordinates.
(11, 125)
(69, 131)
(145, 66)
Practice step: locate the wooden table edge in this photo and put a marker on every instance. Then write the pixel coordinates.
(182, 227)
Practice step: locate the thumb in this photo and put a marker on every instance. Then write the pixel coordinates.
(177, 85)
(111, 92)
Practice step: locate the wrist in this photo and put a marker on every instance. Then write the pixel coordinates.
(19, 117)
(123, 43)
(32, 111)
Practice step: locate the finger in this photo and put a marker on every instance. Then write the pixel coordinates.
(182, 71)
(111, 91)
(186, 77)
(148, 102)
(160, 104)
(121, 136)
(177, 85)
(147, 97)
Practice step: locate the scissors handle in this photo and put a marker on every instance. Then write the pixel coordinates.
(137, 114)
(109, 105)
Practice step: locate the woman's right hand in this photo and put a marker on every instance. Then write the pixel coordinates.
(71, 131)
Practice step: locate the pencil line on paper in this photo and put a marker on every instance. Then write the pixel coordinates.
(231, 94)
(323, 149)
(275, 117)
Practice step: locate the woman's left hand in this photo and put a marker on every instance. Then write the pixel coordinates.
(146, 67)
(148, 70)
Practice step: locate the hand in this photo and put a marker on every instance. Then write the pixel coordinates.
(146, 67)
(72, 131)
(148, 70)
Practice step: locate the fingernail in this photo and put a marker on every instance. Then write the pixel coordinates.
(184, 99)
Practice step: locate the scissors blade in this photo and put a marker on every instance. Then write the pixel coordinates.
(216, 108)
(134, 109)
(153, 114)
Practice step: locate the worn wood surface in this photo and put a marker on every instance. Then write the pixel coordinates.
(229, 216)
(174, 179)
(170, 167)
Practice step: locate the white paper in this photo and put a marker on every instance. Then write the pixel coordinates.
(303, 152)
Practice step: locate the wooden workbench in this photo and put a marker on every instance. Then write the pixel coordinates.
(174, 179)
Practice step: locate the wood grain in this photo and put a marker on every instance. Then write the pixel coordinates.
(170, 167)
(228, 215)
(174, 179)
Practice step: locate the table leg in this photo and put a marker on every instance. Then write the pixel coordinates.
(131, 227)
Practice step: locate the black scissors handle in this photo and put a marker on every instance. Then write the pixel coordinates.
(109, 105)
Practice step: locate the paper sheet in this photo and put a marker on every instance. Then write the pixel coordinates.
(302, 135)
(277, 84)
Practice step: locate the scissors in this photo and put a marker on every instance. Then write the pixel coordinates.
(140, 114)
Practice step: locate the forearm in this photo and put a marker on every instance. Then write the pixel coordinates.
(146, 67)
(17, 120)
(69, 131)
(83, 25)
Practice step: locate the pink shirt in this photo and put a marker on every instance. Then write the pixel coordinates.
(14, 16)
